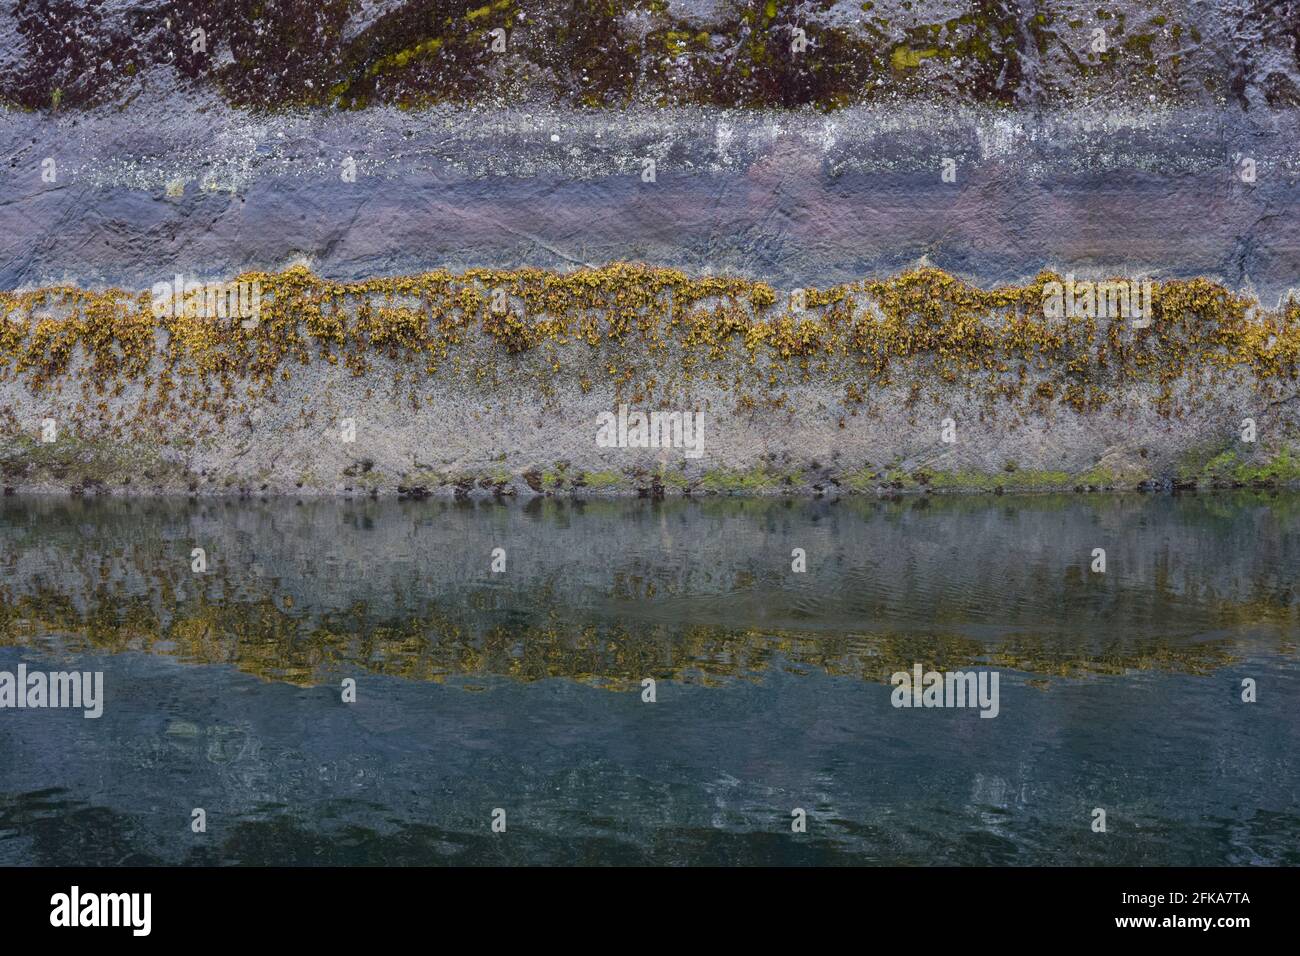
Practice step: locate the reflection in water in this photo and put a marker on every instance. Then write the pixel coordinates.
(614, 592)
(1119, 689)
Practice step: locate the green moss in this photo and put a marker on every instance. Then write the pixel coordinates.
(601, 480)
(899, 478)
(402, 58)
(1205, 463)
(963, 481)
(1022, 479)
(1221, 465)
(76, 461)
(905, 58)
(728, 481)
(672, 478)
(1098, 477)
(1228, 466)
(1283, 468)
(1041, 479)
(863, 479)
(424, 478)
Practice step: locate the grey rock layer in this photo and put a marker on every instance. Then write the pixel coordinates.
(795, 198)
(493, 423)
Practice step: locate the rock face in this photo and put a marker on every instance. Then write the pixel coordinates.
(644, 381)
(130, 198)
(384, 138)
(61, 54)
(794, 176)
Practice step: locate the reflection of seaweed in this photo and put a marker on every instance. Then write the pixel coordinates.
(113, 576)
(260, 637)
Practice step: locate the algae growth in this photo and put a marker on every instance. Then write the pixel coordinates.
(135, 384)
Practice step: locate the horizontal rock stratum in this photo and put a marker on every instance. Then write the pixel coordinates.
(523, 382)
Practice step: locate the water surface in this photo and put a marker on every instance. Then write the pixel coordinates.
(522, 690)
